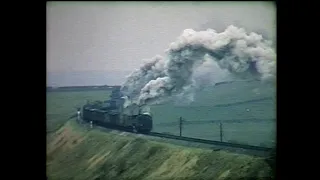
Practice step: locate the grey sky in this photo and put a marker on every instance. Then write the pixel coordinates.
(113, 38)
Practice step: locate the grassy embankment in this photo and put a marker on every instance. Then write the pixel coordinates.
(78, 153)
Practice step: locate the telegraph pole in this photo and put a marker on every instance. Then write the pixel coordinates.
(180, 125)
(220, 131)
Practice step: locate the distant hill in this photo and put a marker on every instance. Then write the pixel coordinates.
(79, 88)
(86, 78)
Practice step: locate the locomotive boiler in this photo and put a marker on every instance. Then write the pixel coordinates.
(112, 113)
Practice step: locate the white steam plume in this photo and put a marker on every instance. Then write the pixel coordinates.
(242, 55)
(150, 70)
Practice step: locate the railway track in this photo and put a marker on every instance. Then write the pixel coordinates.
(210, 142)
(196, 142)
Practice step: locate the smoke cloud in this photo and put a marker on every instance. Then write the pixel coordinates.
(150, 70)
(240, 54)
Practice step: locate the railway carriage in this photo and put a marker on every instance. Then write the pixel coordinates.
(112, 114)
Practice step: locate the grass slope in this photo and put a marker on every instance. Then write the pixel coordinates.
(79, 153)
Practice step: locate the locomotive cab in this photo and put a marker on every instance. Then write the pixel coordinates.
(144, 123)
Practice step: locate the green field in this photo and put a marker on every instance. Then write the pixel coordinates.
(225, 97)
(61, 105)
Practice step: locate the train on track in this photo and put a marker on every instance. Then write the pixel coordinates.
(113, 114)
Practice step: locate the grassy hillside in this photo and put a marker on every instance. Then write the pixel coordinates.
(79, 153)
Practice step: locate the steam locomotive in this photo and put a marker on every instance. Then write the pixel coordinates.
(113, 114)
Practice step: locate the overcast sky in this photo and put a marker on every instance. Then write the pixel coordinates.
(100, 42)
